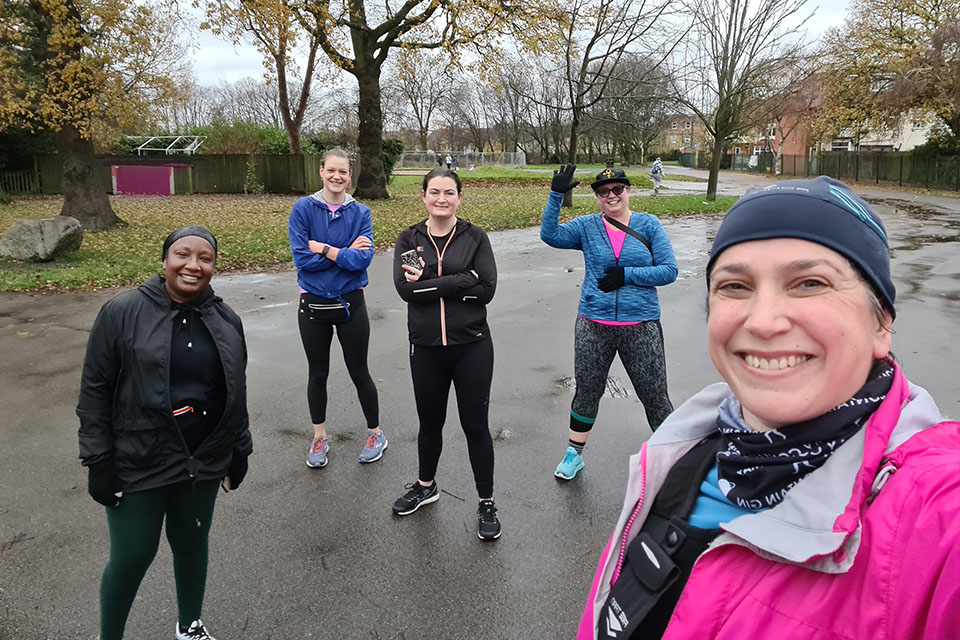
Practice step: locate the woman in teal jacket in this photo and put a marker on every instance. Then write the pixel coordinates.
(626, 257)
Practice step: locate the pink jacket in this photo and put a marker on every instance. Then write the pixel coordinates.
(867, 546)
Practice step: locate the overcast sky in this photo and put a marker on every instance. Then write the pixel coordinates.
(215, 60)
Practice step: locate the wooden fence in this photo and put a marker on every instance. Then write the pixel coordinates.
(879, 167)
(19, 182)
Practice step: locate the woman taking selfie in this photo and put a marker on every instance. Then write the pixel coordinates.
(445, 271)
(815, 493)
(331, 239)
(163, 420)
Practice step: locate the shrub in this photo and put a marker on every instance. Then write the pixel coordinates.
(392, 148)
(250, 183)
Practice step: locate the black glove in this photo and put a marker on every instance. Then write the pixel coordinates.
(612, 281)
(563, 179)
(104, 483)
(238, 469)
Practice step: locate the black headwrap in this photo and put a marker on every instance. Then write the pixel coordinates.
(189, 230)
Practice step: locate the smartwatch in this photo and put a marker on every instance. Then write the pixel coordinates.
(326, 248)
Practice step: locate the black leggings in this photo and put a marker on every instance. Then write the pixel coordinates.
(354, 337)
(470, 368)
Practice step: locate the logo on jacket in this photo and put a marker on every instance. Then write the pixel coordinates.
(616, 619)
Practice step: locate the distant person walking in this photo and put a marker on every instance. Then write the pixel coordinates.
(163, 421)
(331, 239)
(657, 173)
(626, 257)
(454, 162)
(449, 161)
(447, 293)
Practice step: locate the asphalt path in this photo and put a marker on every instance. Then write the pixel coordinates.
(305, 553)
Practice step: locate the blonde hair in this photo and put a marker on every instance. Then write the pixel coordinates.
(336, 152)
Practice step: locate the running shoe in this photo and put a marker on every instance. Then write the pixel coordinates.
(416, 496)
(488, 524)
(374, 447)
(317, 457)
(196, 631)
(572, 463)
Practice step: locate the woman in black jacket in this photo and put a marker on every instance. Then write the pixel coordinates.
(444, 269)
(163, 422)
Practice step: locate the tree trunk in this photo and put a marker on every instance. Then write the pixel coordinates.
(372, 181)
(572, 156)
(714, 169)
(84, 195)
(423, 138)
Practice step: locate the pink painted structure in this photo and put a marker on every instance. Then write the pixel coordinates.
(154, 180)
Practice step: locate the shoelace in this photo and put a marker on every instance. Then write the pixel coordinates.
(371, 442)
(197, 631)
(318, 445)
(487, 512)
(570, 457)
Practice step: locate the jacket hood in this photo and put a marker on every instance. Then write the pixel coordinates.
(318, 198)
(817, 523)
(155, 288)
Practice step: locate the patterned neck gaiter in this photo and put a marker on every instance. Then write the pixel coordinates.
(757, 469)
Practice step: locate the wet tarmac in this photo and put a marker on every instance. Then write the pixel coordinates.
(304, 553)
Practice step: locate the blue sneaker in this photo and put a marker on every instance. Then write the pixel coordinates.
(317, 457)
(374, 447)
(572, 463)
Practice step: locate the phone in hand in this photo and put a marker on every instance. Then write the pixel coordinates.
(225, 484)
(411, 259)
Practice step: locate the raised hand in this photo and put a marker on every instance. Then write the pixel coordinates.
(563, 179)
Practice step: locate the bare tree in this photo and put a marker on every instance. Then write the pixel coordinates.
(731, 61)
(597, 34)
(421, 79)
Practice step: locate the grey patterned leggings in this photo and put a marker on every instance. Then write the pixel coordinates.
(641, 351)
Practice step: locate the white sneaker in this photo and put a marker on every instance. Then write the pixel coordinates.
(196, 631)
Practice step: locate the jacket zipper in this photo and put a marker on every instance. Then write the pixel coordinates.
(633, 516)
(443, 310)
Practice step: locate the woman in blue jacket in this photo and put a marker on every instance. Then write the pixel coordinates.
(626, 256)
(331, 239)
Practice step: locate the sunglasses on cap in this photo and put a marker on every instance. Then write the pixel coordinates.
(616, 190)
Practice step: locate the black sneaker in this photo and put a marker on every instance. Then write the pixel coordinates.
(417, 496)
(488, 524)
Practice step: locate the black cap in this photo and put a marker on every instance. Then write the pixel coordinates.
(610, 175)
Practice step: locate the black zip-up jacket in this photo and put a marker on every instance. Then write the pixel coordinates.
(124, 409)
(448, 304)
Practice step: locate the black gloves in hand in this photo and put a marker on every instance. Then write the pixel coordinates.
(104, 483)
(612, 281)
(238, 469)
(563, 179)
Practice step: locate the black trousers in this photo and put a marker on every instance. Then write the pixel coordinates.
(470, 368)
(354, 337)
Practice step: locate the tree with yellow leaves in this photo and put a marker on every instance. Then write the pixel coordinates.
(78, 68)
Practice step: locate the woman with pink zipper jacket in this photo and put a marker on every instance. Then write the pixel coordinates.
(815, 493)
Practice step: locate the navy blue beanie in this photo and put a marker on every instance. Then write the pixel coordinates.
(821, 210)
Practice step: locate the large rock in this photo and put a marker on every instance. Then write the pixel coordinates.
(41, 239)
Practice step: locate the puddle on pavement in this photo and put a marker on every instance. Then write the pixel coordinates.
(614, 388)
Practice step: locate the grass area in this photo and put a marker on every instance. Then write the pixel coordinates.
(252, 230)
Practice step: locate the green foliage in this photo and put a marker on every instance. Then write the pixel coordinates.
(392, 148)
(941, 143)
(243, 137)
(5, 197)
(250, 183)
(18, 146)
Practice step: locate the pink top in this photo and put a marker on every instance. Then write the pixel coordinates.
(617, 238)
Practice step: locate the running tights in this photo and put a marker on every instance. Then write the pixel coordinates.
(640, 347)
(470, 368)
(134, 527)
(354, 337)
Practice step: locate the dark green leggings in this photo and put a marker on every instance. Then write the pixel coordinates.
(134, 537)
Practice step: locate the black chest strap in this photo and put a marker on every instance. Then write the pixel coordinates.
(658, 561)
